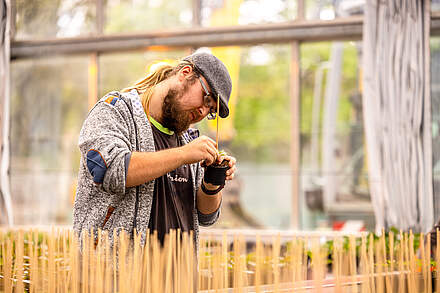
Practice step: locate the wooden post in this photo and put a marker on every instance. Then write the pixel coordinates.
(13, 20)
(197, 17)
(295, 131)
(301, 10)
(100, 16)
(295, 110)
(5, 195)
(196, 20)
(93, 80)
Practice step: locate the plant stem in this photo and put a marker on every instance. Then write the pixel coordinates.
(216, 116)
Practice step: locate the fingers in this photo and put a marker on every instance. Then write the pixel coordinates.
(231, 160)
(220, 159)
(209, 151)
(212, 155)
(230, 174)
(207, 140)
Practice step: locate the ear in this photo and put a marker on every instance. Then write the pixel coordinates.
(184, 72)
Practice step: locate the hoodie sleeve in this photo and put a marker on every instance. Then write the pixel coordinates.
(209, 219)
(105, 145)
(206, 219)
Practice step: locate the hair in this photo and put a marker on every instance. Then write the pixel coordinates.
(161, 72)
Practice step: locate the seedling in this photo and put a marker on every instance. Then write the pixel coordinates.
(216, 173)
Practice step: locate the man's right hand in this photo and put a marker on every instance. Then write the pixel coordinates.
(201, 149)
(146, 166)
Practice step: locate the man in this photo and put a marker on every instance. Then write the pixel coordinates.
(141, 163)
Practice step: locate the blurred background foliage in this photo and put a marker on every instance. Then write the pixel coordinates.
(132, 16)
(49, 98)
(262, 120)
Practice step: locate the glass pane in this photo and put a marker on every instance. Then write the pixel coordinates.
(48, 106)
(38, 19)
(259, 141)
(435, 106)
(135, 15)
(257, 133)
(435, 5)
(332, 145)
(118, 71)
(233, 12)
(330, 9)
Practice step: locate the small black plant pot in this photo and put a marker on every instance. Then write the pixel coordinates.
(216, 174)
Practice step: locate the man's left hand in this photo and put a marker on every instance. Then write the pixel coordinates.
(231, 172)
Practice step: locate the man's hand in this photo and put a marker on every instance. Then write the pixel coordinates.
(200, 149)
(208, 204)
(230, 173)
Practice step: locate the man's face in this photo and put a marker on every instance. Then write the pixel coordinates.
(173, 115)
(183, 106)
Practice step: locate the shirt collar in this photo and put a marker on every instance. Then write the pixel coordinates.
(160, 127)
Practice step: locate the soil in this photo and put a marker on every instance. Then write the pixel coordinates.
(223, 164)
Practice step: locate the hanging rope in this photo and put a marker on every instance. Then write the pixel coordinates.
(397, 113)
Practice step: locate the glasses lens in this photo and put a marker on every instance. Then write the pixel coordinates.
(207, 101)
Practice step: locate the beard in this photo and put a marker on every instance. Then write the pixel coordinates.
(173, 117)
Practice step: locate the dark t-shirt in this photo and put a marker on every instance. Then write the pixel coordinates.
(173, 198)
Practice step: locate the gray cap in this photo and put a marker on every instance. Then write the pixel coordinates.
(217, 76)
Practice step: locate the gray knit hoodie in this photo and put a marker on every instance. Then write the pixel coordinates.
(114, 128)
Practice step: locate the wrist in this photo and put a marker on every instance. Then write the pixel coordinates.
(210, 186)
(212, 190)
(181, 155)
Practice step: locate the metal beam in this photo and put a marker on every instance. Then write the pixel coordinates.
(304, 30)
(338, 29)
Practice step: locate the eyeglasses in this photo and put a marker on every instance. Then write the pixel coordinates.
(207, 101)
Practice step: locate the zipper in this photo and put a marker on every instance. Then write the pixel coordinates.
(136, 206)
(110, 211)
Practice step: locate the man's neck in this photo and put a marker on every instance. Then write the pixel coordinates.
(157, 98)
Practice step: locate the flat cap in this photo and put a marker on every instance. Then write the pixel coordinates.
(217, 76)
